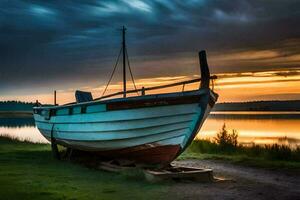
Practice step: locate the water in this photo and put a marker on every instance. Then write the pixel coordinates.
(256, 127)
(252, 127)
(21, 129)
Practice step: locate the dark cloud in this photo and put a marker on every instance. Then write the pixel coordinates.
(50, 43)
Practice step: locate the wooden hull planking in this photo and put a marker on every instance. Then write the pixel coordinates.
(152, 130)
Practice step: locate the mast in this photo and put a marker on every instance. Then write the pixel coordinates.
(124, 61)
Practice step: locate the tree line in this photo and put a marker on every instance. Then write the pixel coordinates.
(16, 106)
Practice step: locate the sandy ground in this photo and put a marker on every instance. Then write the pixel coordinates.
(244, 183)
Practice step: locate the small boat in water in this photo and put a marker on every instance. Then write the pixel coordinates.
(149, 129)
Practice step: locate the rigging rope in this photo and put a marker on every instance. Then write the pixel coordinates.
(113, 72)
(130, 71)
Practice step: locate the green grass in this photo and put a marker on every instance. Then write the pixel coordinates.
(272, 156)
(28, 171)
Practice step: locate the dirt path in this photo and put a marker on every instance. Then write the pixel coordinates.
(247, 183)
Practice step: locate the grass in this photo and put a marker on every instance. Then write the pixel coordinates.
(268, 156)
(28, 171)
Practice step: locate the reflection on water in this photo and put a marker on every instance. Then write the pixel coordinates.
(259, 128)
(262, 128)
(21, 129)
(16, 122)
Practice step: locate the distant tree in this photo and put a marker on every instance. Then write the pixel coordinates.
(225, 139)
(15, 106)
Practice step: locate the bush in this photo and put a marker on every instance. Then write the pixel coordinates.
(253, 151)
(204, 146)
(227, 141)
(296, 154)
(278, 152)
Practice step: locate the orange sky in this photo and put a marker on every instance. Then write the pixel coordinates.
(257, 74)
(247, 86)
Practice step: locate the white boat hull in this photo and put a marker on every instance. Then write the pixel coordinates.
(103, 130)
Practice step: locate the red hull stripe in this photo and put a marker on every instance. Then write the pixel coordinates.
(130, 104)
(145, 154)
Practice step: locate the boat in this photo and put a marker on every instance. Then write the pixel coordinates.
(150, 129)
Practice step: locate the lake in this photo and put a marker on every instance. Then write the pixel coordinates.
(21, 128)
(252, 127)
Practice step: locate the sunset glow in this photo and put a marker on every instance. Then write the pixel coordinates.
(247, 86)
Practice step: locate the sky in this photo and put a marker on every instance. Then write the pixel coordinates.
(252, 45)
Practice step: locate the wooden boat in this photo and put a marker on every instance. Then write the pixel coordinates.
(148, 129)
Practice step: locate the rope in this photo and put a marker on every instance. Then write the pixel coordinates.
(113, 72)
(131, 72)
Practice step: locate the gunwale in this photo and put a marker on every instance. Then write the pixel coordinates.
(134, 99)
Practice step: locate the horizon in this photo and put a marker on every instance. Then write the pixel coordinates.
(280, 85)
